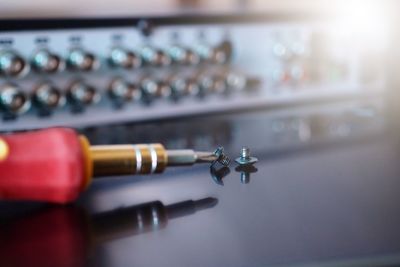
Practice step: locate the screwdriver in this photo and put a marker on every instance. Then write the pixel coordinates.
(57, 164)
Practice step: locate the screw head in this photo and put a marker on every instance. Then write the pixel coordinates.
(146, 27)
(221, 157)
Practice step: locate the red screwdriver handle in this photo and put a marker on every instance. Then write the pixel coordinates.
(47, 165)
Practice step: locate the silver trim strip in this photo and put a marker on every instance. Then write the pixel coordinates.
(138, 159)
(153, 153)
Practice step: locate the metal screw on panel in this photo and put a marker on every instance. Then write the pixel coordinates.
(245, 158)
(146, 27)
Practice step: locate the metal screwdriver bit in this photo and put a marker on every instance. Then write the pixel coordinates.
(190, 157)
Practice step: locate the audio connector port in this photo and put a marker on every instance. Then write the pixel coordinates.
(122, 58)
(47, 62)
(47, 96)
(81, 60)
(122, 91)
(12, 64)
(13, 100)
(81, 94)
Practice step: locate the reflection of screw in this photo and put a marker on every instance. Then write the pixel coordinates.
(245, 177)
(245, 171)
(221, 157)
(245, 158)
(218, 174)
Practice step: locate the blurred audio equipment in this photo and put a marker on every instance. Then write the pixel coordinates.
(86, 72)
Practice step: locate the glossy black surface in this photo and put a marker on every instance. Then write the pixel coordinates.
(325, 192)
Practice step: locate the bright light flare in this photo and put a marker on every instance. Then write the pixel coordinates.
(364, 23)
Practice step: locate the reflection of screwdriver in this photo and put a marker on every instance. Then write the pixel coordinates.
(143, 218)
(57, 164)
(73, 234)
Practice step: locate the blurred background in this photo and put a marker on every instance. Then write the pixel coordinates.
(85, 63)
(47, 8)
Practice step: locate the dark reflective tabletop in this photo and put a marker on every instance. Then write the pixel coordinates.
(325, 192)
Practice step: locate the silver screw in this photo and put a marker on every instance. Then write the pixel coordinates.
(245, 158)
(221, 157)
(245, 152)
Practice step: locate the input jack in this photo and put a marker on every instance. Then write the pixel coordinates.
(13, 100)
(12, 64)
(81, 94)
(47, 96)
(81, 60)
(46, 62)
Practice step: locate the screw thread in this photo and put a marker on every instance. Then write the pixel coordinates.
(245, 153)
(224, 160)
